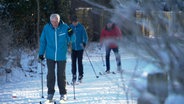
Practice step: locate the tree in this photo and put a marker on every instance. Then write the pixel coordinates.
(163, 47)
(23, 17)
(20, 25)
(5, 40)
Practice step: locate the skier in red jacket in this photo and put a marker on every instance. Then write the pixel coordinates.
(110, 36)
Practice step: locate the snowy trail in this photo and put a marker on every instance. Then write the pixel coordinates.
(94, 91)
(107, 89)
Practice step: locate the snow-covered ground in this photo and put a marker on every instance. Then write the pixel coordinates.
(107, 89)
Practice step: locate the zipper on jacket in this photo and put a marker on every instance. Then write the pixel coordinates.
(56, 44)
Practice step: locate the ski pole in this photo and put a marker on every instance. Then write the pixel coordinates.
(99, 47)
(74, 90)
(102, 59)
(91, 64)
(42, 77)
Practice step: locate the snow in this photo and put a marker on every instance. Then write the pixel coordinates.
(24, 87)
(175, 99)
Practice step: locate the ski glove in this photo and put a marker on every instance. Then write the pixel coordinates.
(70, 32)
(41, 57)
(84, 45)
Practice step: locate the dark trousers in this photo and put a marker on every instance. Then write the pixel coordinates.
(107, 57)
(77, 56)
(61, 77)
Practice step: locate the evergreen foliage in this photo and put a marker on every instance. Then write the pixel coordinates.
(22, 16)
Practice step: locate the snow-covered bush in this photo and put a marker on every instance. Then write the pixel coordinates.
(163, 42)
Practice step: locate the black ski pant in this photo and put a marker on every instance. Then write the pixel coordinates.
(77, 56)
(107, 57)
(61, 77)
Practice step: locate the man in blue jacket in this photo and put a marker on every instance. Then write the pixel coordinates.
(79, 41)
(53, 44)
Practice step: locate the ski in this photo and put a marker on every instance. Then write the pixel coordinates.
(53, 102)
(71, 83)
(105, 73)
(48, 102)
(76, 83)
(62, 101)
(112, 72)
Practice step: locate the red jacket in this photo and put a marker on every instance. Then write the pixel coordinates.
(111, 37)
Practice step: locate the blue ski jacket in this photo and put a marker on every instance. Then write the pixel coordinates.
(79, 37)
(54, 42)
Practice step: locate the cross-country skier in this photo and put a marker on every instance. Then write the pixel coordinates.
(110, 36)
(79, 41)
(54, 41)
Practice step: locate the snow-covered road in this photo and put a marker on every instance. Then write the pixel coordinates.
(107, 89)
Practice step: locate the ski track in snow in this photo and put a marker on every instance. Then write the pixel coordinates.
(107, 89)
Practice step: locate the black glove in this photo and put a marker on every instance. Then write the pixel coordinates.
(84, 45)
(41, 57)
(70, 32)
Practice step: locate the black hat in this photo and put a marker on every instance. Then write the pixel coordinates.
(74, 18)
